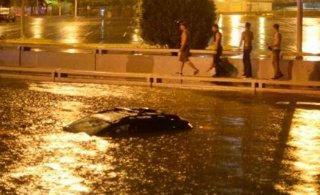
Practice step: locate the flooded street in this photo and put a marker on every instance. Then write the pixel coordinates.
(127, 31)
(241, 143)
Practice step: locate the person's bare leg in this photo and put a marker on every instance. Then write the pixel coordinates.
(192, 66)
(195, 69)
(211, 67)
(181, 68)
(213, 64)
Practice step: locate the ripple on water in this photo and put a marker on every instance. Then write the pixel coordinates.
(240, 144)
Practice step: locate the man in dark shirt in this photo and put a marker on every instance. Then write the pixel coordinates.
(217, 44)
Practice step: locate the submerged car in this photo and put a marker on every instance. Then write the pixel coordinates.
(125, 121)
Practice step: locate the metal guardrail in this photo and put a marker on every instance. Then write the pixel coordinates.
(28, 73)
(152, 80)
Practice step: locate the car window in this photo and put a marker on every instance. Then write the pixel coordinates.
(122, 129)
(89, 125)
(145, 125)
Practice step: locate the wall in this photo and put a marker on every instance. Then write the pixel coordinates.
(157, 64)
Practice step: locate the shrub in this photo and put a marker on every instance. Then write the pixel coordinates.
(160, 18)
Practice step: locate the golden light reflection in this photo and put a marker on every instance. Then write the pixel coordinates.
(235, 31)
(262, 33)
(3, 29)
(71, 50)
(311, 39)
(60, 163)
(135, 36)
(70, 33)
(88, 90)
(68, 111)
(305, 139)
(37, 28)
(220, 23)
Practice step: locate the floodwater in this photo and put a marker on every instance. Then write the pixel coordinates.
(241, 143)
(126, 31)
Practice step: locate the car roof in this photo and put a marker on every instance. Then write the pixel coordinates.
(117, 114)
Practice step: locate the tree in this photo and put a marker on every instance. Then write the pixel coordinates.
(160, 18)
(5, 3)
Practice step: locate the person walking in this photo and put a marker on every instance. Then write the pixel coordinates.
(246, 39)
(184, 52)
(276, 49)
(217, 44)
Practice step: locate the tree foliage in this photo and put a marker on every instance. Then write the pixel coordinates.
(160, 18)
(5, 3)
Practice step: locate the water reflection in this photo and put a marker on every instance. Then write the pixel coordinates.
(70, 33)
(262, 34)
(239, 145)
(311, 37)
(135, 36)
(235, 31)
(262, 29)
(37, 28)
(68, 111)
(95, 30)
(305, 143)
(59, 163)
(102, 29)
(88, 90)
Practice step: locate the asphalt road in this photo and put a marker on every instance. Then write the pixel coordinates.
(126, 31)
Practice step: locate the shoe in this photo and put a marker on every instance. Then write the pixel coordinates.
(179, 73)
(195, 72)
(278, 76)
(281, 75)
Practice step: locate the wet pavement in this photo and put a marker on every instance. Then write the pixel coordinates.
(241, 143)
(126, 31)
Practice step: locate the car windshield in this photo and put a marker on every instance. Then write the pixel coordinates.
(89, 125)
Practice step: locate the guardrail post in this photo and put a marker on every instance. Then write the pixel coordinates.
(102, 51)
(59, 74)
(151, 80)
(262, 85)
(26, 48)
(20, 55)
(254, 86)
(95, 59)
(53, 75)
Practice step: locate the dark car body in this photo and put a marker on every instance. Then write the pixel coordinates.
(125, 121)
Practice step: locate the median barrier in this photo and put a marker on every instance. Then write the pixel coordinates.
(9, 56)
(158, 80)
(152, 61)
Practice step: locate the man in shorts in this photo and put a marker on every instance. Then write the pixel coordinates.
(276, 50)
(246, 40)
(184, 52)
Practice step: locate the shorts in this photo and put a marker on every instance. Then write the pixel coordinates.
(184, 56)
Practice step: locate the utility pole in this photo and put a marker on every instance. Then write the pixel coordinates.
(75, 8)
(22, 20)
(59, 5)
(299, 29)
